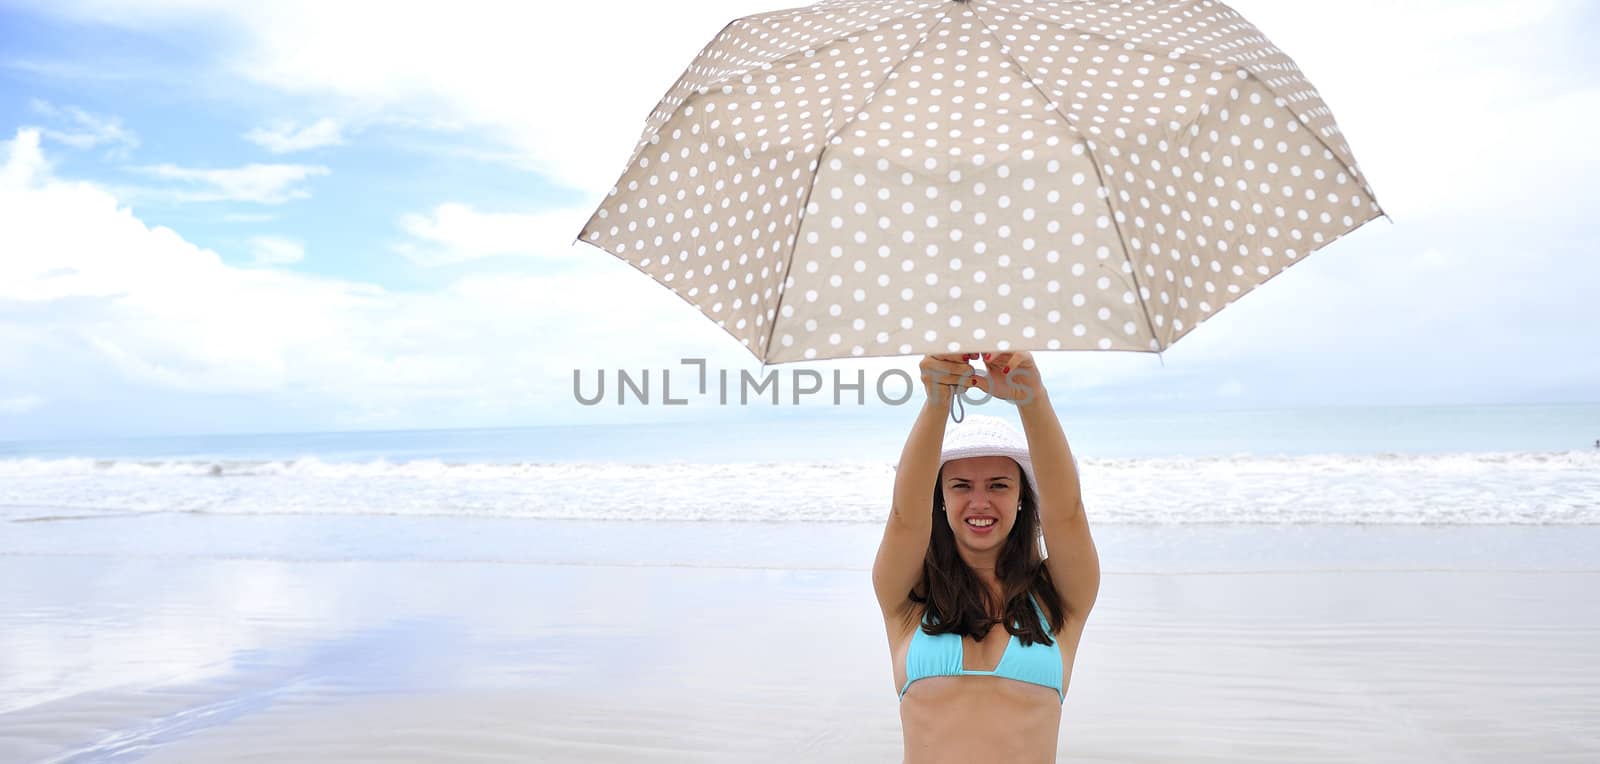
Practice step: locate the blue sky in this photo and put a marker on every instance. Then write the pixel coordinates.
(297, 216)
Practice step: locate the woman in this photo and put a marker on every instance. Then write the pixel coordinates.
(959, 556)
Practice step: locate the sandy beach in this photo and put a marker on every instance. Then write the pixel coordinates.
(1209, 643)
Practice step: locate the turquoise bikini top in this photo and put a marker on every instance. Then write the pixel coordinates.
(941, 655)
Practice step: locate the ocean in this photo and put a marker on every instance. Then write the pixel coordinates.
(1493, 465)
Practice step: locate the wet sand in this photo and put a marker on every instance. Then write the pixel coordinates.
(112, 655)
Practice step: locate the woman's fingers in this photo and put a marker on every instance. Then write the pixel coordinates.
(954, 374)
(1008, 386)
(937, 370)
(1000, 363)
(945, 362)
(957, 369)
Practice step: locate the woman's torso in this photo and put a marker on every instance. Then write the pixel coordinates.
(983, 717)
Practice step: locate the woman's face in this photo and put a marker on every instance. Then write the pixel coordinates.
(982, 489)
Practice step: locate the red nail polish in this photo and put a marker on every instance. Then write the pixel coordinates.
(1005, 370)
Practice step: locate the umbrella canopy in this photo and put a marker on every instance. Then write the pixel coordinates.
(890, 177)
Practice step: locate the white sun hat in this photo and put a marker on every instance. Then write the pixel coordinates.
(982, 435)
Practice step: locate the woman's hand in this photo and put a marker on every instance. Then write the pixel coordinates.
(939, 372)
(1012, 377)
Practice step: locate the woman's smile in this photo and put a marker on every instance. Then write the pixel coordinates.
(981, 526)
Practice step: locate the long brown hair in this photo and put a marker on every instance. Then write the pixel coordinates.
(959, 602)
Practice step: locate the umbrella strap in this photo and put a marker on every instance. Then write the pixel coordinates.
(955, 394)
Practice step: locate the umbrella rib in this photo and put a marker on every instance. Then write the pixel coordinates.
(1110, 208)
(1191, 53)
(1338, 156)
(783, 289)
(652, 128)
(727, 78)
(1197, 55)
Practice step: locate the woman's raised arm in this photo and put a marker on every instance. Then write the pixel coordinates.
(1073, 562)
(905, 536)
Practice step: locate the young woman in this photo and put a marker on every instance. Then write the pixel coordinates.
(982, 628)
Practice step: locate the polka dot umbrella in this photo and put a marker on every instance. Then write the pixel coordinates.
(890, 177)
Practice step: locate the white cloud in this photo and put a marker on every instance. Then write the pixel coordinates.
(135, 307)
(249, 217)
(276, 250)
(565, 86)
(259, 183)
(76, 71)
(24, 161)
(20, 405)
(85, 130)
(286, 137)
(455, 233)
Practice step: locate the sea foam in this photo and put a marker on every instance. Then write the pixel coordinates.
(1482, 488)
